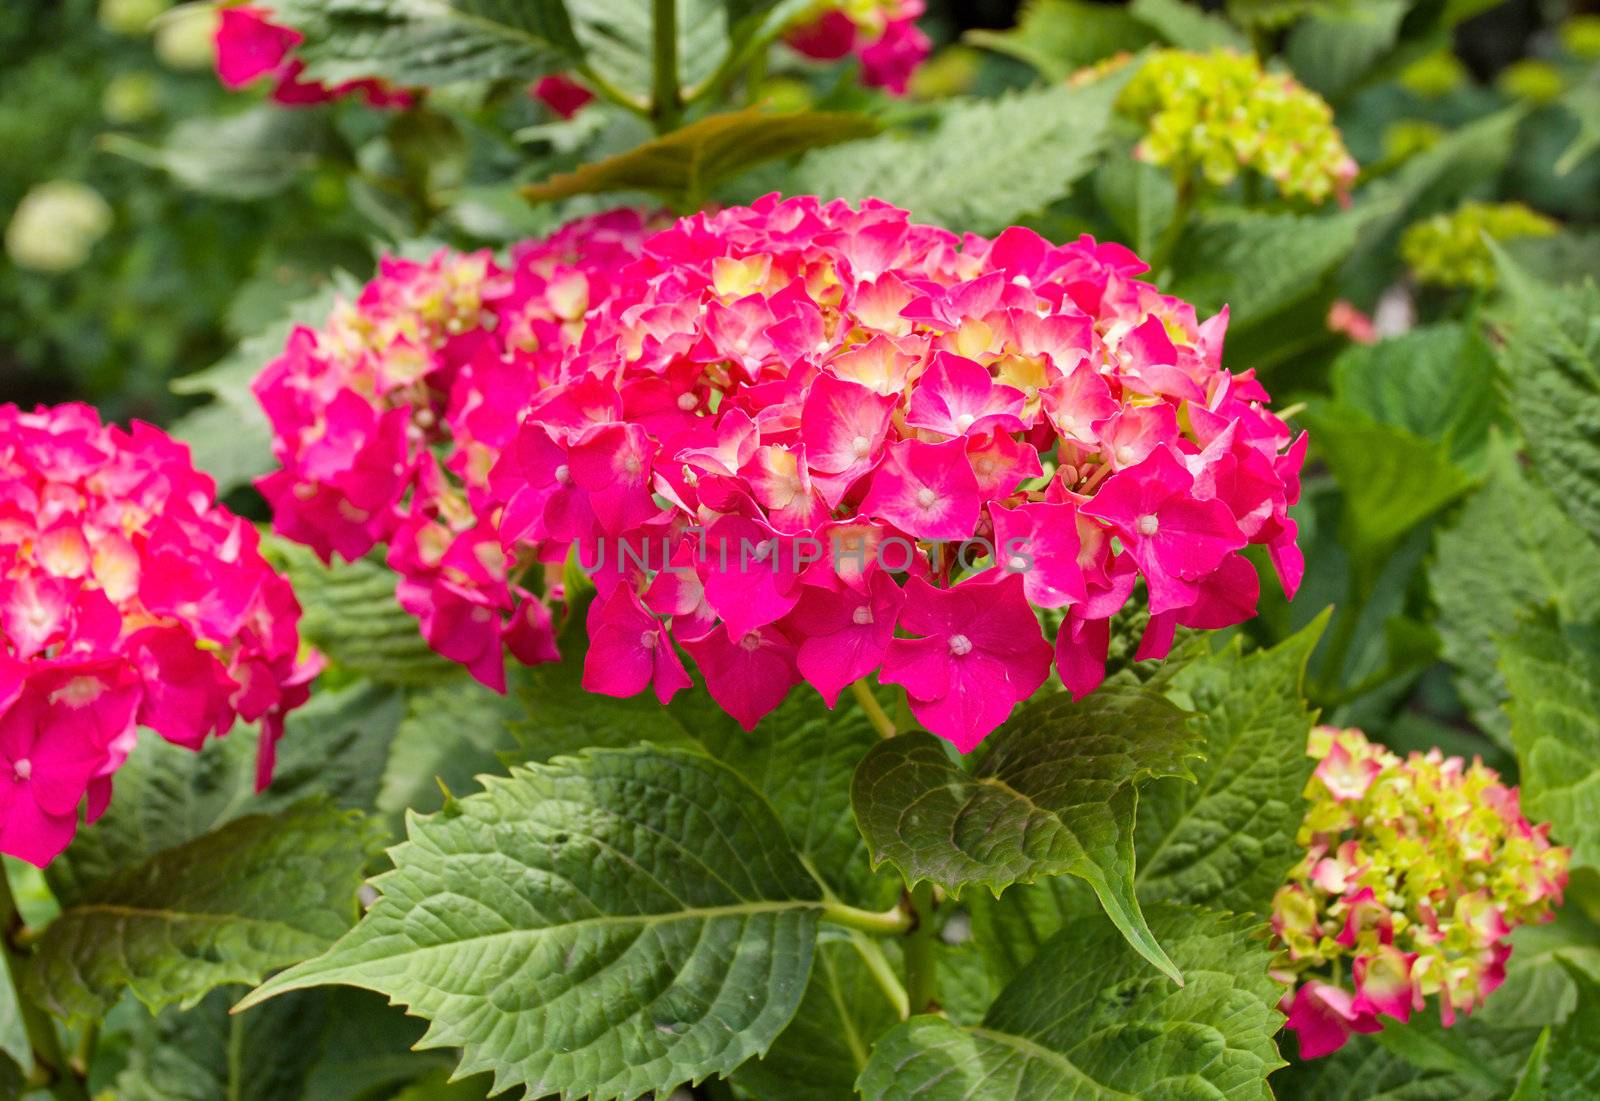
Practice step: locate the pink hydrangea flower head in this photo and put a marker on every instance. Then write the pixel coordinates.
(1416, 872)
(127, 597)
(805, 440)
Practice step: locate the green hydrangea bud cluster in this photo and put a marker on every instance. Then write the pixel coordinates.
(1434, 76)
(1408, 137)
(1448, 250)
(1531, 80)
(1218, 113)
(1580, 36)
(1416, 871)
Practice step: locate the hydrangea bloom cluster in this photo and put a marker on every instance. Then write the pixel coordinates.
(1448, 250)
(882, 34)
(1218, 113)
(1415, 873)
(251, 47)
(389, 417)
(127, 597)
(802, 440)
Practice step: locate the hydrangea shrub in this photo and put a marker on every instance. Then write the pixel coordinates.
(866, 640)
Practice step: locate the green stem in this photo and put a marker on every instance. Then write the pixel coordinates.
(666, 100)
(883, 923)
(50, 1069)
(881, 722)
(922, 977)
(878, 967)
(610, 92)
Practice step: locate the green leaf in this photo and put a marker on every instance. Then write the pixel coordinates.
(349, 612)
(1392, 480)
(825, 1047)
(168, 795)
(1583, 103)
(431, 42)
(1530, 1084)
(1010, 930)
(13, 1082)
(1274, 14)
(1460, 166)
(618, 37)
(1553, 674)
(1188, 26)
(602, 926)
(451, 732)
(1334, 49)
(230, 438)
(1140, 198)
(233, 450)
(259, 893)
(250, 155)
(1550, 360)
(800, 758)
(1363, 1070)
(203, 1054)
(1511, 548)
(323, 1045)
(682, 167)
(1572, 1066)
(1059, 37)
(1087, 1022)
(1035, 145)
(1055, 794)
(1259, 263)
(1435, 381)
(365, 1047)
(1228, 840)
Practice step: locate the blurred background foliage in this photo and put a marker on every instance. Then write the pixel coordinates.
(201, 214)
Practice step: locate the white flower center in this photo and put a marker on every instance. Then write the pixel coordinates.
(23, 768)
(563, 474)
(647, 639)
(687, 402)
(861, 445)
(861, 616)
(960, 645)
(964, 421)
(1148, 524)
(751, 642)
(926, 497)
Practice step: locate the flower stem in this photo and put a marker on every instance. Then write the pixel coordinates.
(666, 98)
(922, 977)
(878, 967)
(50, 1069)
(879, 718)
(883, 923)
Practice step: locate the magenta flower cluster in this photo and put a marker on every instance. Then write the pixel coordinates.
(883, 37)
(128, 597)
(251, 47)
(802, 441)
